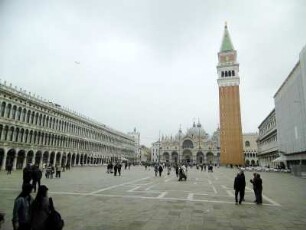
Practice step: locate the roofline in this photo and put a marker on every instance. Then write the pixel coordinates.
(287, 79)
(273, 110)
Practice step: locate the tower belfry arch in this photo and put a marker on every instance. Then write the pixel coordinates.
(229, 103)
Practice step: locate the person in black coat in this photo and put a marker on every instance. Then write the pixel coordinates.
(239, 186)
(254, 188)
(160, 169)
(27, 174)
(258, 188)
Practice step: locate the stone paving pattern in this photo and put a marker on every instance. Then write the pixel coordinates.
(88, 198)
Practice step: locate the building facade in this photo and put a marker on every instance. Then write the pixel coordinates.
(33, 130)
(250, 149)
(193, 147)
(144, 154)
(268, 141)
(290, 109)
(229, 103)
(136, 136)
(155, 151)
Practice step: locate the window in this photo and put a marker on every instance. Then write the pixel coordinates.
(247, 144)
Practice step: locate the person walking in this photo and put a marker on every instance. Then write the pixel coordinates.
(156, 169)
(21, 211)
(177, 170)
(160, 170)
(58, 170)
(254, 188)
(36, 177)
(119, 168)
(27, 174)
(115, 169)
(40, 209)
(239, 187)
(258, 189)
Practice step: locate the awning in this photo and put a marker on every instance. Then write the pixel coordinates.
(280, 159)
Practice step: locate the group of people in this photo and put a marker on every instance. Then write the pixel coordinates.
(116, 169)
(50, 170)
(239, 187)
(32, 175)
(35, 214)
(180, 170)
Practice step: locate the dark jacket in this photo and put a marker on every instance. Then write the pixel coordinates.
(239, 183)
(257, 182)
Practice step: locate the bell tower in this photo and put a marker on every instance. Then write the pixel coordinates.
(229, 103)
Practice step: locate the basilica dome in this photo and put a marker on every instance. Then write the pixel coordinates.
(197, 131)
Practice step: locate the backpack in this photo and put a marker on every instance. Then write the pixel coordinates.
(54, 220)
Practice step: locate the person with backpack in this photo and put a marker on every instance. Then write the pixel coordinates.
(40, 209)
(54, 220)
(21, 211)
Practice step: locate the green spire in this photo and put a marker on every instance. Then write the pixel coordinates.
(226, 42)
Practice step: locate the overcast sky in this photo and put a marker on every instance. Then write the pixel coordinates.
(149, 64)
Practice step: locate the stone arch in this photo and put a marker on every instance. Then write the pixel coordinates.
(11, 154)
(247, 162)
(64, 158)
(73, 160)
(5, 133)
(2, 153)
(8, 112)
(210, 157)
(187, 156)
(21, 157)
(200, 157)
(38, 157)
(187, 144)
(3, 106)
(68, 163)
(11, 133)
(30, 156)
(58, 158)
(82, 159)
(174, 157)
(52, 158)
(166, 157)
(45, 157)
(252, 162)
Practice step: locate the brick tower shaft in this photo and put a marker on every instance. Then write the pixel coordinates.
(229, 104)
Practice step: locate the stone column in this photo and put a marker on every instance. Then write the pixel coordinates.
(14, 162)
(3, 162)
(24, 163)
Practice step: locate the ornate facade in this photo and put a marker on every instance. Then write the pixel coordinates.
(33, 130)
(194, 146)
(267, 141)
(229, 103)
(250, 148)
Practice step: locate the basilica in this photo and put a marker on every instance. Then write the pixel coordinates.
(193, 147)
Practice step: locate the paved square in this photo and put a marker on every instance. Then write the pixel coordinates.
(88, 198)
